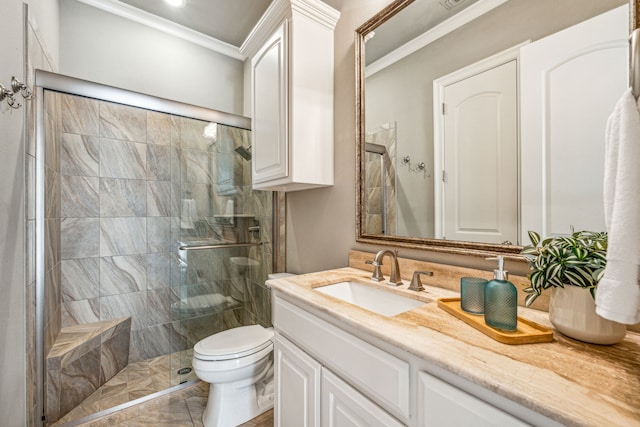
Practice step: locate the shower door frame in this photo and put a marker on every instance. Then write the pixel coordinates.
(45, 80)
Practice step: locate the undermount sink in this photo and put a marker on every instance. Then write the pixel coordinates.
(372, 299)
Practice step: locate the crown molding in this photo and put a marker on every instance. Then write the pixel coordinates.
(280, 10)
(318, 11)
(169, 27)
(456, 21)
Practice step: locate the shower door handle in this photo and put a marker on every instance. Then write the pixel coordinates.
(220, 246)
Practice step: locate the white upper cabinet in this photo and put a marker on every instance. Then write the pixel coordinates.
(291, 51)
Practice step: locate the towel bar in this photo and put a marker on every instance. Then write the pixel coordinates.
(635, 62)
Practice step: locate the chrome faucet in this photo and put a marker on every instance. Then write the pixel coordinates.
(416, 283)
(394, 277)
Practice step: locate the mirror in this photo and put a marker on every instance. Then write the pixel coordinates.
(438, 167)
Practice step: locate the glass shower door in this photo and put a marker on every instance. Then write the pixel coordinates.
(222, 238)
(150, 238)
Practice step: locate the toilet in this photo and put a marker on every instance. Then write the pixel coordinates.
(238, 365)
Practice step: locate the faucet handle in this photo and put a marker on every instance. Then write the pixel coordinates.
(416, 283)
(377, 273)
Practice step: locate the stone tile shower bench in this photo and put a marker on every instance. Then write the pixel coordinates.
(82, 359)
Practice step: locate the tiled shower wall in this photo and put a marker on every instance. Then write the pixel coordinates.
(115, 181)
(380, 180)
(125, 174)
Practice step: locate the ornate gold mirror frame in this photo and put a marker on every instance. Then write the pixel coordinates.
(447, 246)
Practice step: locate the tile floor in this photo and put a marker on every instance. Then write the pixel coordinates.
(134, 381)
(182, 408)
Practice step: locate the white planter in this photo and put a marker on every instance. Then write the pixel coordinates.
(572, 312)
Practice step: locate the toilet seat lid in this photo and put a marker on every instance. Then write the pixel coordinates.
(233, 343)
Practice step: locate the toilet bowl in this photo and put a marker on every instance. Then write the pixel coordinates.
(238, 364)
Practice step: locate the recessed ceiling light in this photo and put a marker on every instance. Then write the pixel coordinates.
(176, 3)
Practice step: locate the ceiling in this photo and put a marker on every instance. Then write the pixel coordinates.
(229, 21)
(419, 17)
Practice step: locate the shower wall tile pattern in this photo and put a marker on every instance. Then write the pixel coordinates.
(84, 358)
(380, 211)
(79, 155)
(125, 187)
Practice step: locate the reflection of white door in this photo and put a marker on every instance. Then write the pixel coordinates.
(480, 157)
(571, 81)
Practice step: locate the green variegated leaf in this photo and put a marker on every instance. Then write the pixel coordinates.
(585, 273)
(555, 251)
(553, 271)
(530, 251)
(576, 279)
(554, 282)
(597, 274)
(566, 241)
(534, 237)
(529, 299)
(547, 242)
(537, 278)
(580, 253)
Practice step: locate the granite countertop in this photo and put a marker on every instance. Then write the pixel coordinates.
(574, 383)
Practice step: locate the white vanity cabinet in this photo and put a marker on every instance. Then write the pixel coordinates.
(441, 404)
(291, 51)
(297, 386)
(344, 406)
(329, 376)
(309, 395)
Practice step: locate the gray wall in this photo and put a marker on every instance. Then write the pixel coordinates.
(12, 279)
(13, 357)
(104, 48)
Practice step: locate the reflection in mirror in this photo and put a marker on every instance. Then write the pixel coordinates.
(486, 119)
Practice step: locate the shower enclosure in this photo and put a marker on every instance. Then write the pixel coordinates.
(380, 173)
(148, 236)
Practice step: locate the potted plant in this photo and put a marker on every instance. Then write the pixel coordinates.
(571, 266)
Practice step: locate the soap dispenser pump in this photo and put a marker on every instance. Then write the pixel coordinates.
(501, 300)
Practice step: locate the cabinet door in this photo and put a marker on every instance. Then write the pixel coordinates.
(344, 406)
(270, 121)
(441, 404)
(297, 381)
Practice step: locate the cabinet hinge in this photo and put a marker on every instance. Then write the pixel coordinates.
(444, 109)
(444, 176)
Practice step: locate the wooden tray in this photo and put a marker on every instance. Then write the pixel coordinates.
(528, 332)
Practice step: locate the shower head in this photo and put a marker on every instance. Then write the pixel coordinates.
(245, 152)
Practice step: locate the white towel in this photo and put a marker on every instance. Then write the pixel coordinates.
(187, 214)
(618, 293)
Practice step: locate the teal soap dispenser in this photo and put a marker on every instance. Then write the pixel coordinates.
(501, 300)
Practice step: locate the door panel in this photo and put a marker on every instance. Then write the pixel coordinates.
(343, 406)
(582, 72)
(480, 184)
(297, 394)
